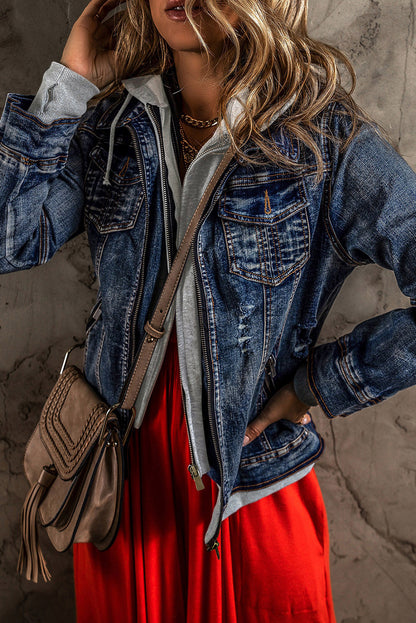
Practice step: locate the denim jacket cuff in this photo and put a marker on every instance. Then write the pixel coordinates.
(27, 137)
(301, 386)
(333, 389)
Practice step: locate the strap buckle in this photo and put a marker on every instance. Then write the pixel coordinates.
(152, 333)
(105, 422)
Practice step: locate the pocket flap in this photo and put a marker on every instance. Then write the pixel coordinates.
(71, 422)
(262, 198)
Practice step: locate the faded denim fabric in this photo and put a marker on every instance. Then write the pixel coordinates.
(271, 255)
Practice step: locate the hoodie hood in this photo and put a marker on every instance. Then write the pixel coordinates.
(150, 90)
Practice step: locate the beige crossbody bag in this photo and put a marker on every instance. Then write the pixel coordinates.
(74, 460)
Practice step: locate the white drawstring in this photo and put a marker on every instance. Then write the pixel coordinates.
(106, 181)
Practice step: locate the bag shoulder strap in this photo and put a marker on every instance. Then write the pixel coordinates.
(154, 329)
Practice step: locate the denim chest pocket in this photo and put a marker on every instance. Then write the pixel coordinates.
(266, 229)
(113, 207)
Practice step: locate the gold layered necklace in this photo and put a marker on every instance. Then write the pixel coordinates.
(198, 123)
(190, 150)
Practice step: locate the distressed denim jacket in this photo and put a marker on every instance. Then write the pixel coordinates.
(268, 260)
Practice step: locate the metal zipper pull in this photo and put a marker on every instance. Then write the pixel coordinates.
(215, 546)
(196, 477)
(192, 468)
(271, 364)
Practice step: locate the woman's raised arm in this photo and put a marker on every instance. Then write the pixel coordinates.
(89, 49)
(41, 161)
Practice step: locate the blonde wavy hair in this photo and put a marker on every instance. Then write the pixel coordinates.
(269, 52)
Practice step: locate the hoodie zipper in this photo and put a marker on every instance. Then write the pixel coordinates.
(146, 235)
(192, 468)
(213, 544)
(156, 124)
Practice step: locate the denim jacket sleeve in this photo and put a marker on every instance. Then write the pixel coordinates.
(41, 169)
(371, 218)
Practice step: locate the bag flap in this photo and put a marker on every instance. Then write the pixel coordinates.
(71, 421)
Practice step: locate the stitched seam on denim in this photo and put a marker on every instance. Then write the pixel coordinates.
(213, 313)
(227, 246)
(61, 121)
(113, 227)
(25, 160)
(275, 251)
(276, 238)
(267, 298)
(307, 232)
(266, 340)
(99, 255)
(273, 282)
(351, 374)
(218, 423)
(262, 259)
(266, 441)
(240, 217)
(326, 117)
(41, 234)
(281, 275)
(43, 237)
(344, 372)
(88, 333)
(282, 476)
(255, 277)
(336, 244)
(319, 397)
(276, 453)
(98, 361)
(126, 355)
(125, 167)
(249, 181)
(289, 211)
(121, 122)
(46, 240)
(304, 232)
(117, 177)
(348, 374)
(94, 219)
(230, 238)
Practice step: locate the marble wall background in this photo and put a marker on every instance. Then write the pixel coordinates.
(368, 472)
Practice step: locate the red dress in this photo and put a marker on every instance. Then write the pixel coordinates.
(274, 564)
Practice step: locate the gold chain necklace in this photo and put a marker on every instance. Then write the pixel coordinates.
(198, 123)
(189, 151)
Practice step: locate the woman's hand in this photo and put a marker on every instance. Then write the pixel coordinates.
(284, 404)
(89, 49)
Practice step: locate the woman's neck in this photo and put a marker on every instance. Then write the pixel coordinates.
(200, 87)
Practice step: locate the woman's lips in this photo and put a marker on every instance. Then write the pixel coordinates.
(179, 15)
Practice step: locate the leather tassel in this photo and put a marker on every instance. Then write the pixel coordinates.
(31, 558)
